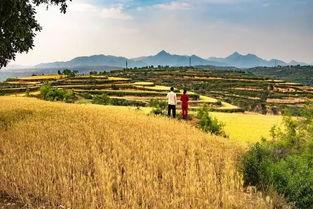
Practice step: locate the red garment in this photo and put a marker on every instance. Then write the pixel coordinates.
(184, 98)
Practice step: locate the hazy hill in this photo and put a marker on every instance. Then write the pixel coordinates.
(28, 71)
(85, 64)
(95, 60)
(165, 58)
(247, 61)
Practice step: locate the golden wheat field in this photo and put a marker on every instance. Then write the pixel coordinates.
(248, 127)
(94, 157)
(42, 77)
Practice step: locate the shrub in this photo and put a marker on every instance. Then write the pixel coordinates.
(218, 102)
(101, 99)
(124, 102)
(194, 96)
(208, 123)
(86, 95)
(158, 106)
(255, 162)
(27, 92)
(106, 100)
(285, 163)
(11, 79)
(50, 93)
(114, 87)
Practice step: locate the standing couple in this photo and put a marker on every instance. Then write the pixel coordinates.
(172, 102)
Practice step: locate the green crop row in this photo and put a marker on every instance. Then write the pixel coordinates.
(133, 93)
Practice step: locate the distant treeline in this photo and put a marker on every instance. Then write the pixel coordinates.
(300, 74)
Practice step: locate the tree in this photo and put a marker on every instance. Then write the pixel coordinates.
(18, 26)
(70, 73)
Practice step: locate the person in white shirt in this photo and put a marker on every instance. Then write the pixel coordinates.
(172, 102)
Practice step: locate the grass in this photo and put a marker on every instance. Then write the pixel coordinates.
(90, 156)
(207, 99)
(24, 82)
(91, 76)
(43, 77)
(33, 93)
(157, 87)
(118, 79)
(141, 83)
(248, 127)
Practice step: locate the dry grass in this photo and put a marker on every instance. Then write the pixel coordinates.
(89, 156)
(118, 79)
(43, 77)
(157, 87)
(144, 83)
(21, 82)
(34, 93)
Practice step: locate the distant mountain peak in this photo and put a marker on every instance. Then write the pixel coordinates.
(252, 55)
(163, 53)
(235, 53)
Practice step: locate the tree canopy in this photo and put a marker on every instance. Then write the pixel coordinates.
(18, 26)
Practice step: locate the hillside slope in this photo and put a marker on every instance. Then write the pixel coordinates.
(107, 157)
(300, 74)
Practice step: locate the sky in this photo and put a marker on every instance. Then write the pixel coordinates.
(281, 29)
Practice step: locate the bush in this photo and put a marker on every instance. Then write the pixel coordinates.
(86, 95)
(255, 162)
(285, 163)
(114, 87)
(101, 99)
(124, 102)
(11, 79)
(50, 93)
(158, 106)
(208, 123)
(105, 100)
(27, 92)
(218, 102)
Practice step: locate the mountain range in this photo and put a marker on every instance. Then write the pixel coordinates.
(164, 58)
(100, 63)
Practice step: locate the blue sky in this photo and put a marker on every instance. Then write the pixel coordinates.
(280, 29)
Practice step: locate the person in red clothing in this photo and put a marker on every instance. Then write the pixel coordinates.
(184, 105)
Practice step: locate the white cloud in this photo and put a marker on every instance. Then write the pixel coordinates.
(174, 5)
(115, 13)
(190, 4)
(111, 12)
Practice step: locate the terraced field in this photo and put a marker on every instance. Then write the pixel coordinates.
(238, 91)
(247, 91)
(138, 87)
(115, 87)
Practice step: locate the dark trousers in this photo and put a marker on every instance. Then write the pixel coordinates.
(172, 108)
